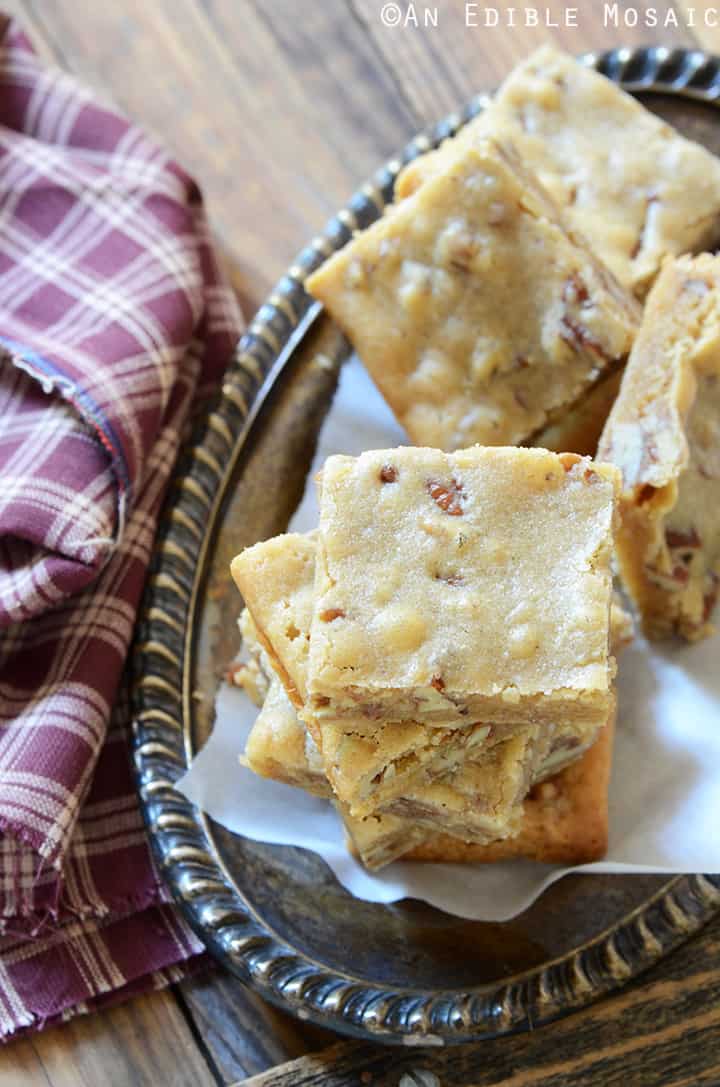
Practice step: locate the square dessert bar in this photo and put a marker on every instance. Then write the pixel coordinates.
(564, 820)
(635, 188)
(664, 434)
(461, 587)
(368, 761)
(480, 802)
(280, 748)
(478, 314)
(567, 821)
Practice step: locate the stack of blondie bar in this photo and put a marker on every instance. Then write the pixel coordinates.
(436, 656)
(523, 263)
(440, 644)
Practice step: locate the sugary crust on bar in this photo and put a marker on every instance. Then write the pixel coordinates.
(635, 188)
(664, 435)
(478, 315)
(472, 586)
(565, 819)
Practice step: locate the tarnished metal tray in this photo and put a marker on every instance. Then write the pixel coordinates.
(276, 916)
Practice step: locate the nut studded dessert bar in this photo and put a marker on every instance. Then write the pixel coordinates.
(478, 314)
(279, 747)
(564, 821)
(461, 587)
(664, 434)
(368, 761)
(270, 575)
(623, 178)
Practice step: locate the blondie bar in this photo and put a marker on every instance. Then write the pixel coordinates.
(280, 748)
(476, 312)
(368, 761)
(270, 576)
(461, 587)
(664, 434)
(635, 188)
(564, 820)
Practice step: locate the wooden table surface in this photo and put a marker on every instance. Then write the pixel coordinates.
(266, 102)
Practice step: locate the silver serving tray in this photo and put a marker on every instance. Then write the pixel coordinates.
(275, 916)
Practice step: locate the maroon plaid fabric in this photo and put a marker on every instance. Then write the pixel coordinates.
(114, 320)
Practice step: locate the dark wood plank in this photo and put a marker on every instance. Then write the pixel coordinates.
(140, 1044)
(242, 1034)
(440, 67)
(279, 109)
(662, 1031)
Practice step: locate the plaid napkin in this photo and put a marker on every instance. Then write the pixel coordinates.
(114, 321)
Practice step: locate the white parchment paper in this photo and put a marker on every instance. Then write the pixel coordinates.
(665, 787)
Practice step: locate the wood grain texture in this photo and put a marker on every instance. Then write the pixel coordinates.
(261, 102)
(144, 1043)
(242, 1034)
(440, 67)
(663, 1031)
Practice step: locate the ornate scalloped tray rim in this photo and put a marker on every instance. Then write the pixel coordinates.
(196, 875)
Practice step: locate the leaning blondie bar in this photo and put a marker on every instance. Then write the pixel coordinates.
(463, 808)
(279, 747)
(564, 820)
(635, 188)
(368, 761)
(460, 587)
(478, 314)
(664, 434)
(477, 801)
